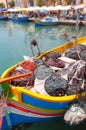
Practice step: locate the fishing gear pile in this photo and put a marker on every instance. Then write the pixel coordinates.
(38, 61)
(42, 71)
(56, 63)
(76, 77)
(72, 53)
(56, 76)
(24, 67)
(77, 53)
(52, 60)
(55, 85)
(53, 55)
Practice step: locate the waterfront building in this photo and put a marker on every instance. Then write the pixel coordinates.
(26, 3)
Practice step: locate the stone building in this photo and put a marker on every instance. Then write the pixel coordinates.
(26, 3)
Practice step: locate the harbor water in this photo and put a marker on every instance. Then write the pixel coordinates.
(15, 39)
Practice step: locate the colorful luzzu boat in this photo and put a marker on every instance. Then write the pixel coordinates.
(24, 106)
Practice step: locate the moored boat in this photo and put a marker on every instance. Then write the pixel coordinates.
(20, 18)
(47, 22)
(3, 18)
(3, 14)
(23, 105)
(18, 15)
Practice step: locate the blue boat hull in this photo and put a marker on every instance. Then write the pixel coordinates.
(19, 119)
(19, 19)
(3, 18)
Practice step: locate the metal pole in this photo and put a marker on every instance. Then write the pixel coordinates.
(6, 1)
(77, 23)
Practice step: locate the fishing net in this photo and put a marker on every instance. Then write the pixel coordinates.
(72, 53)
(54, 62)
(53, 55)
(76, 113)
(80, 47)
(24, 81)
(85, 75)
(77, 53)
(42, 71)
(83, 55)
(38, 61)
(55, 85)
(28, 65)
(76, 76)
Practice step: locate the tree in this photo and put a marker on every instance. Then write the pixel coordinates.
(53, 2)
(2, 5)
(40, 2)
(11, 4)
(69, 1)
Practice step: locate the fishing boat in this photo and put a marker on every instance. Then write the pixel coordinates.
(48, 21)
(3, 14)
(20, 19)
(17, 15)
(3, 18)
(20, 105)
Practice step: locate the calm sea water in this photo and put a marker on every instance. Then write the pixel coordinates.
(15, 39)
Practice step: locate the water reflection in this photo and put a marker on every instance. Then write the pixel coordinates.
(52, 35)
(42, 32)
(15, 39)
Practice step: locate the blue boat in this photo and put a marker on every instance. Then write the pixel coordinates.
(19, 19)
(3, 14)
(47, 22)
(3, 18)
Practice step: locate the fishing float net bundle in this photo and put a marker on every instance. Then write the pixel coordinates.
(76, 113)
(24, 67)
(50, 59)
(77, 53)
(53, 55)
(76, 77)
(55, 85)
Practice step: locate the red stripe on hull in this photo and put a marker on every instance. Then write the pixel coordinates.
(25, 110)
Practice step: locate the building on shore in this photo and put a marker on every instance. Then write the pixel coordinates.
(5, 2)
(26, 3)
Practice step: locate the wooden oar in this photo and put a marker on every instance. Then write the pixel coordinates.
(3, 80)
